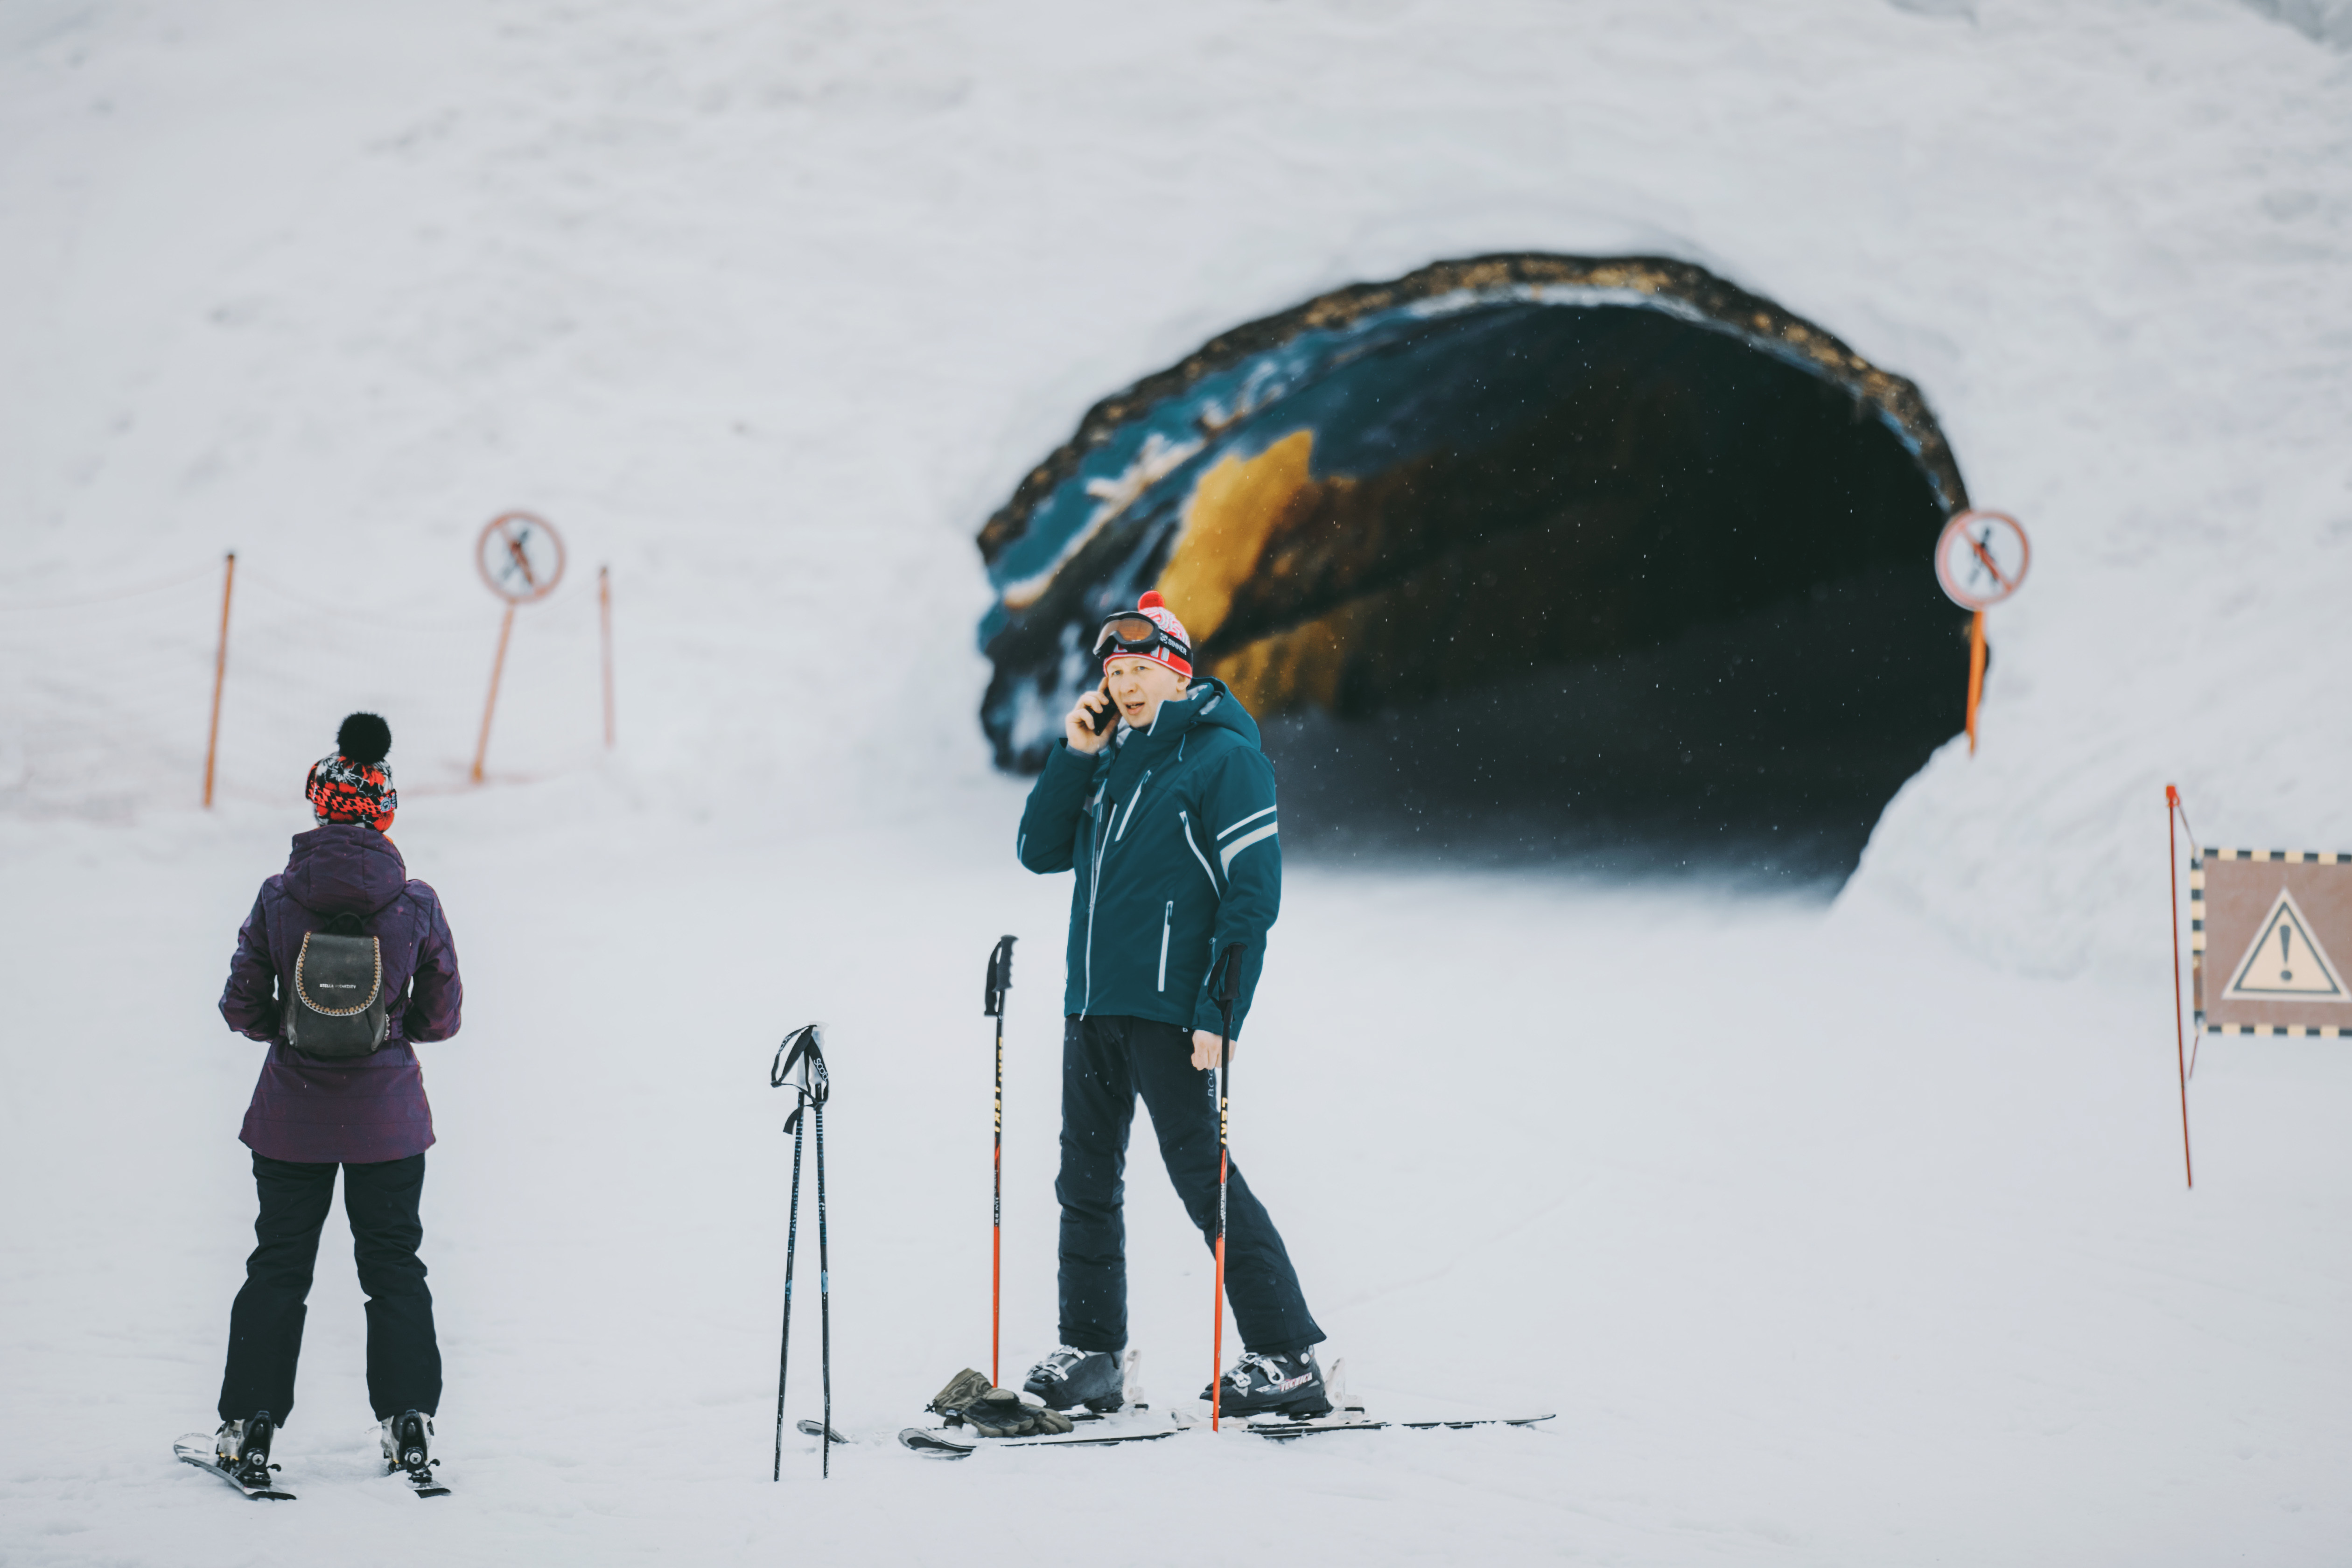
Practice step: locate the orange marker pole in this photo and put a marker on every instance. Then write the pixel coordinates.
(220, 676)
(1976, 674)
(605, 618)
(497, 667)
(2180, 1027)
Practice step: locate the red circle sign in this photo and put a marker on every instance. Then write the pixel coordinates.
(521, 557)
(1981, 558)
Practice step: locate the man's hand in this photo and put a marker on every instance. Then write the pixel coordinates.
(1079, 726)
(1204, 1049)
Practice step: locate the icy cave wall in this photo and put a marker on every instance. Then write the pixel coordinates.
(1521, 554)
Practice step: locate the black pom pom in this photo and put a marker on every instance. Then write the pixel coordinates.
(364, 739)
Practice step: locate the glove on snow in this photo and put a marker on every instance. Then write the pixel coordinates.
(1000, 1413)
(962, 1390)
(994, 1412)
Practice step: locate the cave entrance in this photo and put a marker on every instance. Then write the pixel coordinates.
(1521, 558)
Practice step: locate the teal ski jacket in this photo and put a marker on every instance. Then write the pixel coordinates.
(1171, 833)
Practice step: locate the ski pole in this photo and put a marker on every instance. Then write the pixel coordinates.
(823, 1280)
(1000, 980)
(1223, 981)
(801, 1052)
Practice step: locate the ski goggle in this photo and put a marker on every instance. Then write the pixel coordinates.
(1134, 635)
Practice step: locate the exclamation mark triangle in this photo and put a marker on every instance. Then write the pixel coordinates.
(2285, 964)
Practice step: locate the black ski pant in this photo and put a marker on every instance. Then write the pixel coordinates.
(265, 1326)
(1106, 1063)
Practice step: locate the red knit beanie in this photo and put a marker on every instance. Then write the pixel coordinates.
(1155, 609)
(354, 786)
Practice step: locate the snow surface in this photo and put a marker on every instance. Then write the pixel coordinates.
(1845, 1234)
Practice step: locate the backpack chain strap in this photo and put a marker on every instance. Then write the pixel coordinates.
(374, 986)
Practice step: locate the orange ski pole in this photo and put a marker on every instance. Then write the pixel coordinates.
(1224, 983)
(1000, 980)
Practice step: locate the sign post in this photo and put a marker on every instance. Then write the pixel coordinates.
(521, 558)
(1980, 560)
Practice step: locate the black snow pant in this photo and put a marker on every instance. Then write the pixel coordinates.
(265, 1326)
(1106, 1062)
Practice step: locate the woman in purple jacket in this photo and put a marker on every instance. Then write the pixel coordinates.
(366, 1113)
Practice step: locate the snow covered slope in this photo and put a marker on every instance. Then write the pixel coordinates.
(1836, 1236)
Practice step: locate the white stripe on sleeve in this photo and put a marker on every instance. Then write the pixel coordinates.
(1252, 816)
(1226, 856)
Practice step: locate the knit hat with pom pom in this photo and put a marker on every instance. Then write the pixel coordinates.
(354, 786)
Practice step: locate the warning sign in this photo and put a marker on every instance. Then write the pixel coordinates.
(2285, 961)
(2278, 918)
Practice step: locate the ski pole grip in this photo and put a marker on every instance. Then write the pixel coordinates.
(1000, 978)
(803, 1051)
(1225, 978)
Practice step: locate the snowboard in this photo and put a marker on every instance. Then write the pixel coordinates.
(196, 1448)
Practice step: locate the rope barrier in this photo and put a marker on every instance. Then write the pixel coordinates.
(202, 573)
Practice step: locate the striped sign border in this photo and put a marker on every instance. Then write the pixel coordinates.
(2197, 859)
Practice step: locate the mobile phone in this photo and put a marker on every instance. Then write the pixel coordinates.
(1108, 714)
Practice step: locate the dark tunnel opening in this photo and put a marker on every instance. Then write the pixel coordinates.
(1622, 567)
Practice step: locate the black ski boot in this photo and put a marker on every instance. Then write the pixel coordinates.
(409, 1446)
(1272, 1385)
(242, 1448)
(1070, 1377)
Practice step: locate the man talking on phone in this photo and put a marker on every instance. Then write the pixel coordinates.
(1160, 799)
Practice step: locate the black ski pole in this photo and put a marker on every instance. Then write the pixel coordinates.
(1224, 982)
(801, 1052)
(1000, 980)
(823, 1276)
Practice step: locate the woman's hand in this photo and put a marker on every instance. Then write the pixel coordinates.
(1079, 728)
(1204, 1049)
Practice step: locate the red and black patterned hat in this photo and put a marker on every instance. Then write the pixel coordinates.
(354, 786)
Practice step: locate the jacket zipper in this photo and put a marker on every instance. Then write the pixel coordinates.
(1167, 924)
(1094, 887)
(1184, 821)
(1129, 820)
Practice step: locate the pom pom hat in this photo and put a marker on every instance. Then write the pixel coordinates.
(354, 786)
(1149, 631)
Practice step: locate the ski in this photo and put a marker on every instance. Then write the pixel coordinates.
(808, 1428)
(1284, 1428)
(949, 1442)
(424, 1482)
(196, 1448)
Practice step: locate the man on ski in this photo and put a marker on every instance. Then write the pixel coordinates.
(1169, 822)
(362, 1110)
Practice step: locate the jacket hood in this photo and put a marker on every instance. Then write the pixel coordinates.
(1209, 704)
(344, 866)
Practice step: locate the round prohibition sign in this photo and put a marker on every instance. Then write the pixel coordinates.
(521, 557)
(1981, 558)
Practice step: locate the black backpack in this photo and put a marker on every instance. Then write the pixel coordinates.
(338, 1009)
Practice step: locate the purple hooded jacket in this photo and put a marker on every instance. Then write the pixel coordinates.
(370, 1108)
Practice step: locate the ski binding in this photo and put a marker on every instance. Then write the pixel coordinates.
(196, 1448)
